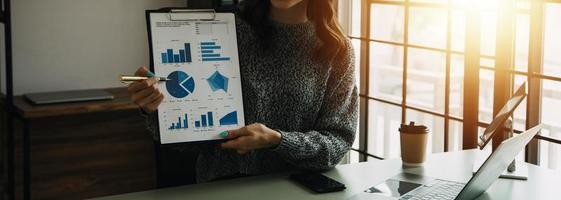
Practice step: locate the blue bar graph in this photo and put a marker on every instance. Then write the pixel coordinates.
(184, 55)
(181, 123)
(208, 53)
(208, 43)
(164, 58)
(211, 55)
(210, 47)
(205, 121)
(170, 55)
(210, 120)
(216, 59)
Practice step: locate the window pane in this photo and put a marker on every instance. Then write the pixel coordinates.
(427, 27)
(551, 100)
(383, 129)
(523, 4)
(550, 153)
(551, 114)
(552, 41)
(356, 20)
(386, 71)
(484, 5)
(426, 79)
(522, 42)
(457, 85)
(353, 157)
(486, 62)
(488, 32)
(387, 22)
(431, 1)
(458, 30)
(486, 84)
(520, 112)
(455, 135)
(356, 47)
(436, 129)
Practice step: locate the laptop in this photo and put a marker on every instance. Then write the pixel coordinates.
(68, 96)
(503, 114)
(413, 187)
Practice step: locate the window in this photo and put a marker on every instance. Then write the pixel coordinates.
(413, 59)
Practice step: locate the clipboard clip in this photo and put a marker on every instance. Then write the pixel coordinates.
(192, 14)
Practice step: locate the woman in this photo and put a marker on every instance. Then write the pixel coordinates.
(300, 97)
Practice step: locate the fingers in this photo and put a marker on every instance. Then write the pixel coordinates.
(139, 95)
(146, 94)
(140, 85)
(243, 131)
(150, 99)
(243, 139)
(240, 143)
(141, 71)
(153, 106)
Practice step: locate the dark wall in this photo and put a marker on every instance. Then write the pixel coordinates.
(206, 4)
(197, 4)
(2, 147)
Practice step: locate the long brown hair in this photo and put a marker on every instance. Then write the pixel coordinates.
(321, 12)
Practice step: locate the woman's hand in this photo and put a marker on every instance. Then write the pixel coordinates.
(145, 93)
(254, 136)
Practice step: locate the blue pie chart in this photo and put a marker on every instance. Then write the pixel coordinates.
(180, 85)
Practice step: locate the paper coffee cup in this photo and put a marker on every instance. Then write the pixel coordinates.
(413, 144)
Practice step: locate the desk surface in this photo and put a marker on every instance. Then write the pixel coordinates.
(120, 102)
(456, 166)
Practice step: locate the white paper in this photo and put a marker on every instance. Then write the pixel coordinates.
(205, 96)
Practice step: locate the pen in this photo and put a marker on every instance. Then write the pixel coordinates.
(129, 79)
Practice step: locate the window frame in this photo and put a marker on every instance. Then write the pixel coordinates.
(472, 67)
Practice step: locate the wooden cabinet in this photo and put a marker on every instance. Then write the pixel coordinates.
(83, 150)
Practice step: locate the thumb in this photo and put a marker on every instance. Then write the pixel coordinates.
(142, 71)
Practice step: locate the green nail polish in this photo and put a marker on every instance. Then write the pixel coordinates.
(150, 74)
(224, 134)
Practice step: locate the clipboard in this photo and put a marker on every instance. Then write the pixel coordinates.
(197, 49)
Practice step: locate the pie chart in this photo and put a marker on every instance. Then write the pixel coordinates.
(180, 85)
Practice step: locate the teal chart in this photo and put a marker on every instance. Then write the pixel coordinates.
(218, 82)
(203, 96)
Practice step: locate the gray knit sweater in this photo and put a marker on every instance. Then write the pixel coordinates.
(312, 104)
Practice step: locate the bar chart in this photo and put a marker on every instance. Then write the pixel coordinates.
(209, 52)
(206, 120)
(184, 55)
(182, 123)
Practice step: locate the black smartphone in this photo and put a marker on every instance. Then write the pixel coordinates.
(318, 182)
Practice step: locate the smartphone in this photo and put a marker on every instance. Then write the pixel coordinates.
(318, 182)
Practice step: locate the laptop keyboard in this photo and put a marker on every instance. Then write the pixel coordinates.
(440, 189)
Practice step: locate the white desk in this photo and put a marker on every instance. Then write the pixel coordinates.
(456, 166)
